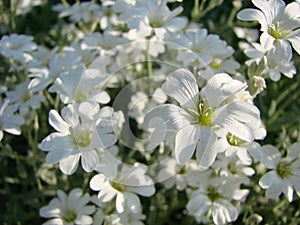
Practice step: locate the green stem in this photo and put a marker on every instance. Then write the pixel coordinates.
(286, 92)
(283, 107)
(33, 141)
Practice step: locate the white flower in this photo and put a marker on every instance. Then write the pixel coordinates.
(251, 35)
(15, 46)
(41, 57)
(214, 199)
(181, 176)
(80, 84)
(278, 60)
(125, 218)
(220, 63)
(23, 99)
(44, 76)
(9, 121)
(153, 16)
(279, 23)
(284, 176)
(233, 167)
(24, 6)
(202, 116)
(235, 146)
(85, 11)
(202, 45)
(68, 209)
(106, 42)
(80, 131)
(140, 104)
(124, 185)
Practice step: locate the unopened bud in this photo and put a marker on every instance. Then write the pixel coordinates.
(256, 85)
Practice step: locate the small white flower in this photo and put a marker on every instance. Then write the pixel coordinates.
(251, 35)
(153, 17)
(68, 209)
(23, 99)
(214, 199)
(85, 11)
(106, 42)
(278, 60)
(284, 176)
(202, 45)
(15, 46)
(140, 104)
(126, 218)
(233, 145)
(203, 116)
(80, 131)
(24, 6)
(181, 176)
(9, 121)
(80, 84)
(44, 76)
(279, 23)
(125, 185)
(233, 167)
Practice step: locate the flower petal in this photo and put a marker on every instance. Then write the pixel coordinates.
(185, 143)
(181, 85)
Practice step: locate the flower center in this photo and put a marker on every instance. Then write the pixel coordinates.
(82, 137)
(196, 48)
(231, 167)
(213, 194)
(283, 169)
(69, 216)
(205, 115)
(119, 187)
(234, 140)
(26, 97)
(155, 23)
(275, 31)
(80, 97)
(182, 170)
(216, 63)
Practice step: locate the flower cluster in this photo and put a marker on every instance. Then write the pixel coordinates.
(142, 103)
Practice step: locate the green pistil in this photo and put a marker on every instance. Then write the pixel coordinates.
(26, 97)
(205, 115)
(119, 187)
(231, 168)
(80, 97)
(283, 169)
(234, 140)
(216, 63)
(156, 23)
(275, 31)
(69, 216)
(182, 170)
(213, 194)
